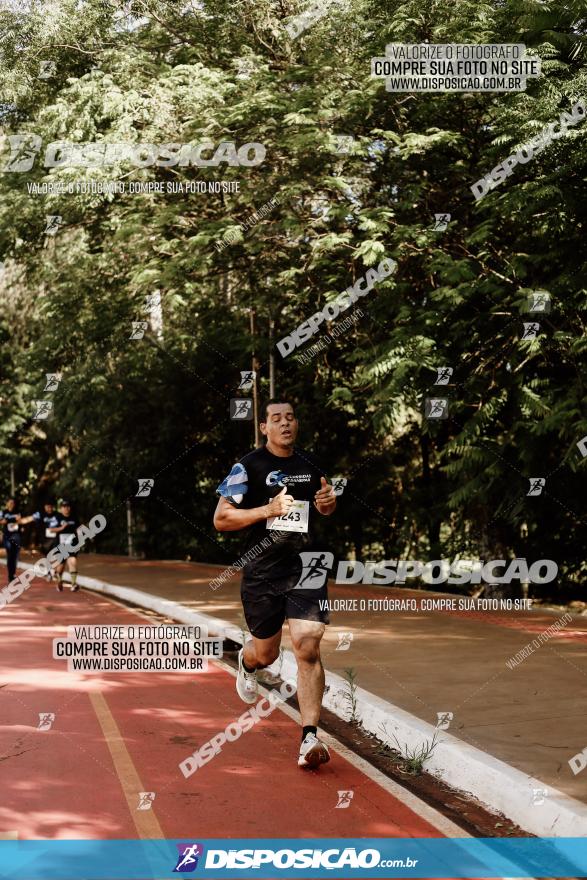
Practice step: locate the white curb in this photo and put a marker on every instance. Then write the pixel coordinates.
(497, 785)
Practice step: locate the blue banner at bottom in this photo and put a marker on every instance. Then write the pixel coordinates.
(339, 858)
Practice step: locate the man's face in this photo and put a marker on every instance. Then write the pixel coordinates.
(281, 427)
(10, 504)
(48, 509)
(65, 508)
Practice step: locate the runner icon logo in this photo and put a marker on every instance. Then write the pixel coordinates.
(46, 720)
(53, 380)
(42, 409)
(444, 719)
(436, 408)
(531, 329)
(537, 484)
(443, 375)
(24, 149)
(441, 222)
(339, 485)
(539, 301)
(145, 486)
(241, 409)
(152, 301)
(343, 143)
(53, 222)
(189, 855)
(247, 380)
(146, 799)
(344, 800)
(138, 329)
(315, 568)
(344, 641)
(47, 70)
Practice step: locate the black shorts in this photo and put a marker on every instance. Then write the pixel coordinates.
(267, 604)
(51, 544)
(48, 545)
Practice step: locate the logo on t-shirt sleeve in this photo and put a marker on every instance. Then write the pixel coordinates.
(235, 485)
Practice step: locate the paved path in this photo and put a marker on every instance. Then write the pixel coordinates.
(533, 717)
(115, 735)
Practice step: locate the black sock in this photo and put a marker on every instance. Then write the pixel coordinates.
(309, 728)
(246, 668)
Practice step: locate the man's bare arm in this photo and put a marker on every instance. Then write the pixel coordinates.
(325, 499)
(230, 519)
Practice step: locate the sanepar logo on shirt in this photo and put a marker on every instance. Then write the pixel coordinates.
(278, 478)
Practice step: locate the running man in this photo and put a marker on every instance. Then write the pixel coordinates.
(49, 520)
(273, 491)
(10, 520)
(67, 532)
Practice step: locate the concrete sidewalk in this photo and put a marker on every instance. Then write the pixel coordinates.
(532, 716)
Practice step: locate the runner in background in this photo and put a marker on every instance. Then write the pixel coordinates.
(49, 519)
(10, 520)
(67, 534)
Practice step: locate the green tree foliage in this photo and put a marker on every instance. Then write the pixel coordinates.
(156, 72)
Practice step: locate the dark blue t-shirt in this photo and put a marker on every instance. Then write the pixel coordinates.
(257, 478)
(11, 528)
(48, 521)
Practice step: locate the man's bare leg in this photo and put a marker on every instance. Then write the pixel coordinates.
(259, 653)
(72, 566)
(306, 636)
(59, 572)
(255, 654)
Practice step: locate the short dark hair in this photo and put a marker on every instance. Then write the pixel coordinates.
(268, 403)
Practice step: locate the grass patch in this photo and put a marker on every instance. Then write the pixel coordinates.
(411, 759)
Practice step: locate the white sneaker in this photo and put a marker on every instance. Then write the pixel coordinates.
(313, 752)
(246, 682)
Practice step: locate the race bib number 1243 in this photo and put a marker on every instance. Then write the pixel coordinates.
(295, 520)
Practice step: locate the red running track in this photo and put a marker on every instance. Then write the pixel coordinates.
(117, 734)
